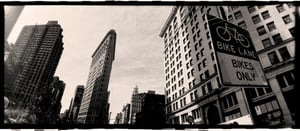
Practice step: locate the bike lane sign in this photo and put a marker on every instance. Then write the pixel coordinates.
(237, 59)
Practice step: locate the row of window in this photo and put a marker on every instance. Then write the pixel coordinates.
(271, 25)
(193, 95)
(286, 79)
(233, 116)
(256, 92)
(266, 107)
(284, 53)
(229, 100)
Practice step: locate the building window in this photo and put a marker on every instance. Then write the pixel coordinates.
(212, 56)
(209, 87)
(193, 30)
(260, 91)
(280, 8)
(253, 92)
(256, 19)
(229, 100)
(206, 73)
(268, 107)
(236, 114)
(230, 18)
(197, 25)
(273, 57)
(286, 79)
(183, 117)
(234, 7)
(192, 96)
(207, 35)
(203, 17)
(196, 113)
(203, 90)
(261, 30)
(195, 17)
(271, 26)
(292, 31)
(242, 24)
(277, 38)
(251, 9)
(290, 5)
(287, 19)
(194, 38)
(260, 6)
(204, 62)
(198, 56)
(202, 52)
(268, 89)
(199, 66)
(285, 55)
(265, 15)
(266, 42)
(238, 15)
(205, 26)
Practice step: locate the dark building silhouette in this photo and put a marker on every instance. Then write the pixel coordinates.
(34, 59)
(94, 106)
(152, 110)
(118, 118)
(57, 88)
(126, 114)
(75, 103)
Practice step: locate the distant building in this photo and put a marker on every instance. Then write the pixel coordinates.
(152, 111)
(94, 106)
(136, 104)
(57, 88)
(34, 59)
(75, 103)
(118, 118)
(126, 114)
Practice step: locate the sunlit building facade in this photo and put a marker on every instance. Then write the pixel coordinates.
(94, 106)
(191, 70)
(272, 30)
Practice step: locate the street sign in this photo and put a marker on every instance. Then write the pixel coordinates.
(190, 119)
(237, 60)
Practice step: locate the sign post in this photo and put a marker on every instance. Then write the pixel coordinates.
(237, 60)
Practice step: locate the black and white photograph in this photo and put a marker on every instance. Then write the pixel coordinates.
(197, 65)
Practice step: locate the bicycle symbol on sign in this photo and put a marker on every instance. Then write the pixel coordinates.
(226, 33)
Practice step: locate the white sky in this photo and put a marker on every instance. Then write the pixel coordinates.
(139, 49)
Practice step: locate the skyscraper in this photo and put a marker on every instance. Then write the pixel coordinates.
(35, 57)
(75, 103)
(94, 107)
(271, 28)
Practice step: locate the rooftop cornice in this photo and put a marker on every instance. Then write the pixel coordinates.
(169, 20)
(112, 33)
